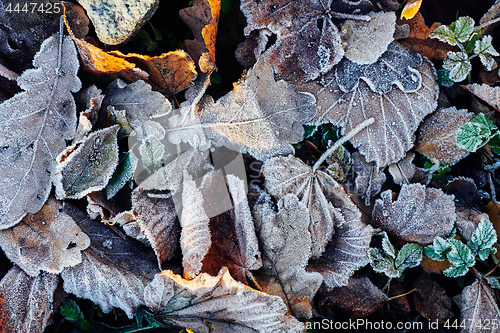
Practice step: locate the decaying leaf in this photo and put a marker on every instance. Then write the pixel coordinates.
(327, 201)
(34, 125)
(464, 189)
(359, 36)
(46, 241)
(89, 101)
(490, 95)
(26, 303)
(405, 172)
(307, 40)
(116, 21)
(418, 215)
(351, 94)
(260, 116)
(411, 8)
(169, 72)
(479, 304)
(431, 300)
(360, 297)
(438, 135)
(89, 166)
(369, 179)
(286, 248)
(218, 304)
(114, 271)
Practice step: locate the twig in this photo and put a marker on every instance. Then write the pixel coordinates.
(351, 16)
(492, 270)
(397, 296)
(492, 187)
(7, 73)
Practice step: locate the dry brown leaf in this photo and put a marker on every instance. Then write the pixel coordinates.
(464, 189)
(46, 241)
(327, 201)
(89, 101)
(467, 221)
(203, 19)
(169, 72)
(492, 14)
(490, 95)
(479, 305)
(286, 249)
(114, 270)
(493, 210)
(438, 135)
(417, 215)
(403, 170)
(26, 303)
(431, 300)
(434, 266)
(360, 297)
(420, 42)
(369, 179)
(217, 304)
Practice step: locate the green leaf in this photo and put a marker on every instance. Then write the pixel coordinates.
(461, 258)
(456, 271)
(482, 239)
(444, 34)
(494, 281)
(309, 130)
(484, 124)
(409, 256)
(123, 173)
(438, 250)
(471, 43)
(71, 311)
(459, 65)
(443, 78)
(476, 133)
(463, 28)
(388, 248)
(152, 152)
(382, 263)
(486, 52)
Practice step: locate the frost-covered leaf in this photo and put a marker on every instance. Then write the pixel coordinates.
(476, 133)
(358, 37)
(479, 304)
(431, 300)
(482, 240)
(346, 253)
(439, 249)
(260, 116)
(34, 125)
(218, 304)
(404, 171)
(45, 241)
(327, 201)
(387, 246)
(127, 163)
(397, 113)
(369, 179)
(89, 166)
(489, 94)
(382, 263)
(438, 135)
(486, 52)
(418, 215)
(152, 153)
(444, 34)
(89, 100)
(459, 65)
(462, 28)
(286, 248)
(461, 258)
(27, 303)
(114, 271)
(408, 256)
(494, 281)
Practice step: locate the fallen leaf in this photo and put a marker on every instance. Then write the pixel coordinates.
(490, 15)
(369, 179)
(490, 95)
(434, 266)
(286, 249)
(467, 221)
(327, 201)
(89, 101)
(114, 271)
(124, 172)
(46, 241)
(464, 189)
(417, 215)
(346, 253)
(360, 297)
(27, 303)
(493, 211)
(88, 167)
(169, 73)
(420, 42)
(116, 21)
(34, 125)
(218, 304)
(351, 94)
(478, 304)
(437, 138)
(403, 170)
(411, 9)
(431, 300)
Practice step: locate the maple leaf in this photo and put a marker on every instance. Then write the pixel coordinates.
(34, 125)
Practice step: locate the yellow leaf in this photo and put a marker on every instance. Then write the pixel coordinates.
(411, 9)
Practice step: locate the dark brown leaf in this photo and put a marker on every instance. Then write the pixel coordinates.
(479, 305)
(431, 300)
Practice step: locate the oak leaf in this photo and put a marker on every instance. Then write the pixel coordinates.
(34, 125)
(218, 304)
(479, 304)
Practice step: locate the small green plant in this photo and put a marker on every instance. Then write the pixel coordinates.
(478, 132)
(463, 256)
(463, 34)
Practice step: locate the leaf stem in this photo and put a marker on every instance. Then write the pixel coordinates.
(397, 296)
(340, 142)
(491, 271)
(476, 272)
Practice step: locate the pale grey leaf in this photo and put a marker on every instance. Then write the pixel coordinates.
(478, 305)
(369, 179)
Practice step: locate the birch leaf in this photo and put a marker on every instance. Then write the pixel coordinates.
(114, 271)
(479, 304)
(27, 303)
(397, 113)
(34, 125)
(286, 247)
(327, 201)
(89, 166)
(48, 240)
(218, 304)
(418, 215)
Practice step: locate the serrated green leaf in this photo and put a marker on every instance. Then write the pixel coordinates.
(444, 34)
(482, 239)
(486, 52)
(127, 164)
(458, 64)
(408, 256)
(71, 311)
(443, 78)
(485, 125)
(382, 263)
(469, 137)
(460, 254)
(463, 28)
(431, 253)
(438, 250)
(309, 130)
(456, 271)
(388, 248)
(152, 153)
(494, 281)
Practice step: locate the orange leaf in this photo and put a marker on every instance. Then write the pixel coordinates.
(169, 73)
(411, 9)
(209, 32)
